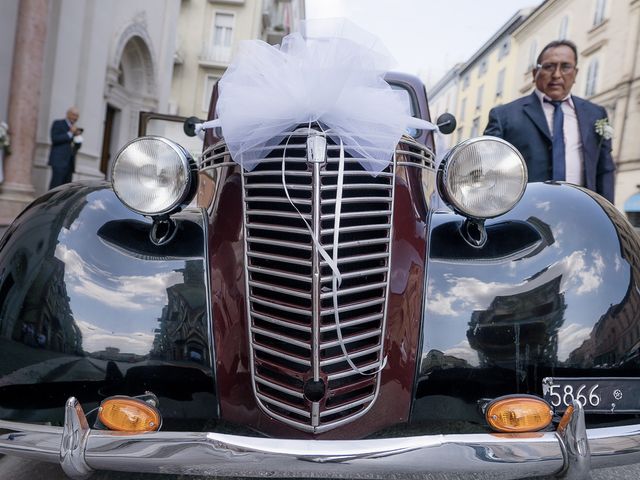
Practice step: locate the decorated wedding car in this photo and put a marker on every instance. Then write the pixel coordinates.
(320, 294)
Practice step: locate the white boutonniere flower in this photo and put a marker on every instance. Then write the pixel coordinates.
(5, 138)
(604, 128)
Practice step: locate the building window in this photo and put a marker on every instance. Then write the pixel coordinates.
(479, 97)
(592, 78)
(483, 67)
(465, 81)
(463, 107)
(475, 128)
(564, 27)
(504, 49)
(533, 54)
(209, 82)
(500, 84)
(598, 16)
(460, 134)
(220, 50)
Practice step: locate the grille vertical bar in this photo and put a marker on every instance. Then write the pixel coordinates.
(293, 334)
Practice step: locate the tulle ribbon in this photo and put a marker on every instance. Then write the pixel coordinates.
(332, 73)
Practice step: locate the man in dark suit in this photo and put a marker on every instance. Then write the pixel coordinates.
(65, 142)
(556, 131)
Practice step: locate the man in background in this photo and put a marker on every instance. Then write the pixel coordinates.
(561, 137)
(65, 142)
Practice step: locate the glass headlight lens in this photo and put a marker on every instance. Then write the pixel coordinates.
(483, 177)
(152, 175)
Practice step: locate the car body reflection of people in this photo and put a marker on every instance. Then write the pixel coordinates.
(561, 136)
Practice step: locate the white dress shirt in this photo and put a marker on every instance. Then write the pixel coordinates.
(574, 169)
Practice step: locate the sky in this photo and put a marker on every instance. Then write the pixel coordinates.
(426, 37)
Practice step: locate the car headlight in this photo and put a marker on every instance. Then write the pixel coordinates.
(154, 176)
(482, 177)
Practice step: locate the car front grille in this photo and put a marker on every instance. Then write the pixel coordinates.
(300, 372)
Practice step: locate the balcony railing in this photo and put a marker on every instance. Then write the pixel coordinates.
(215, 54)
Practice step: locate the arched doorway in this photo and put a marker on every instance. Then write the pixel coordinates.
(130, 89)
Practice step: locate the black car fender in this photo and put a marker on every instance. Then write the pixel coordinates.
(554, 290)
(91, 307)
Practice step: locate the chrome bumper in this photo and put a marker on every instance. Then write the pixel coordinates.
(569, 452)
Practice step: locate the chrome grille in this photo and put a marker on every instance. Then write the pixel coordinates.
(299, 371)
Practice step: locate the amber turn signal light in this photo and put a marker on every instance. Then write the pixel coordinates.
(518, 413)
(126, 414)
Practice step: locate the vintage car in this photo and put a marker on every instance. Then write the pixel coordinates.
(309, 319)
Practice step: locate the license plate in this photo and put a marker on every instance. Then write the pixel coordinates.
(597, 395)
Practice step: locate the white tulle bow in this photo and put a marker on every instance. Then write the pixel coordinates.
(331, 73)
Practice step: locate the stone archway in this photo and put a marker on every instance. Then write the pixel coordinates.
(131, 87)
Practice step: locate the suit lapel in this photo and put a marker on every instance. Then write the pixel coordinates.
(586, 122)
(533, 110)
(586, 125)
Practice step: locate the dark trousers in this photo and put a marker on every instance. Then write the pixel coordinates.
(60, 176)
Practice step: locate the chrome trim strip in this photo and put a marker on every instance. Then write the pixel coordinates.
(209, 295)
(353, 355)
(359, 258)
(575, 445)
(355, 306)
(278, 186)
(218, 165)
(350, 200)
(348, 173)
(280, 273)
(279, 243)
(262, 173)
(349, 372)
(278, 228)
(286, 356)
(354, 338)
(351, 404)
(356, 186)
(496, 456)
(284, 406)
(284, 308)
(273, 256)
(364, 243)
(352, 290)
(279, 200)
(277, 386)
(278, 213)
(368, 213)
(291, 292)
(283, 323)
(316, 284)
(73, 445)
(278, 336)
(357, 321)
(369, 271)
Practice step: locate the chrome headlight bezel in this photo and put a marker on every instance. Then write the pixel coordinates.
(186, 180)
(467, 151)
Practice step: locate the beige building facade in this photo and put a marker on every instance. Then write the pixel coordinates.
(486, 79)
(209, 34)
(469, 90)
(443, 98)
